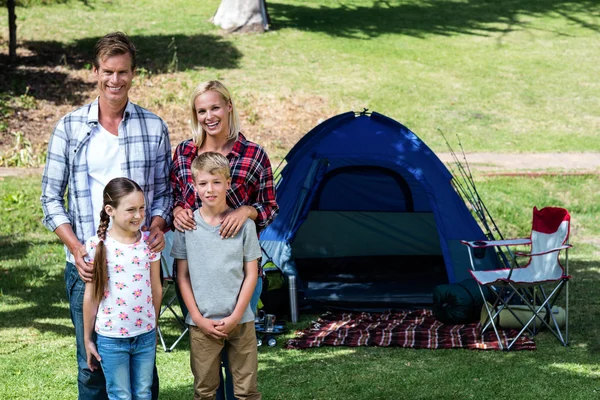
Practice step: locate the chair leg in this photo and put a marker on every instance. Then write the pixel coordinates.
(491, 317)
(536, 314)
(168, 306)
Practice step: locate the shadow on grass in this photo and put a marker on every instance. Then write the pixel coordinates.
(41, 290)
(426, 17)
(584, 305)
(15, 250)
(12, 250)
(43, 73)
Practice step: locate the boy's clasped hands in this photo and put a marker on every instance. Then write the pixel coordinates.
(217, 329)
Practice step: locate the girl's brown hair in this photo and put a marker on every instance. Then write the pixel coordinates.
(114, 191)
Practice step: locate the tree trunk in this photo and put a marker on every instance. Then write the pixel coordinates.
(12, 31)
(242, 16)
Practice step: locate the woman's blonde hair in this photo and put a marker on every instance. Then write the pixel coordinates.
(198, 134)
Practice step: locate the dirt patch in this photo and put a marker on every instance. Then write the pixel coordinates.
(530, 163)
(275, 121)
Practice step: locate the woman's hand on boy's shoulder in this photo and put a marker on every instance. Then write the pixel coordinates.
(234, 220)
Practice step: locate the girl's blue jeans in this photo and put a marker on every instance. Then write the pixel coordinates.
(127, 364)
(90, 384)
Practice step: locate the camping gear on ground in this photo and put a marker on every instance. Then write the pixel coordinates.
(510, 318)
(368, 217)
(293, 292)
(268, 326)
(417, 329)
(458, 303)
(543, 277)
(274, 297)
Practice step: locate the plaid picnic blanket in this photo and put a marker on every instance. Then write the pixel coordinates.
(415, 329)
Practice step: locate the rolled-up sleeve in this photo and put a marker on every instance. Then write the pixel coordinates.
(162, 205)
(265, 200)
(184, 194)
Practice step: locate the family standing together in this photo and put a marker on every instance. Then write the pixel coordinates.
(125, 192)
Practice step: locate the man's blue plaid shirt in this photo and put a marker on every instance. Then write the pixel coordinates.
(144, 138)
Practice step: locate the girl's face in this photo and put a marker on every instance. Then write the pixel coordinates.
(212, 112)
(129, 214)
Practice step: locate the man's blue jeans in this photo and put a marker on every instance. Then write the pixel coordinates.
(91, 384)
(128, 363)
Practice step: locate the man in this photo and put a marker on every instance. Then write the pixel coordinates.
(108, 138)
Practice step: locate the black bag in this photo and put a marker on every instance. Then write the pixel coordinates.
(459, 303)
(274, 295)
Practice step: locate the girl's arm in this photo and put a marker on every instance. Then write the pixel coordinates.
(248, 286)
(185, 287)
(156, 287)
(90, 309)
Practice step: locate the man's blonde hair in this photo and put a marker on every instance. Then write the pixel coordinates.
(211, 162)
(198, 133)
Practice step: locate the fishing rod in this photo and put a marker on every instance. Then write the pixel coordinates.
(471, 194)
(467, 193)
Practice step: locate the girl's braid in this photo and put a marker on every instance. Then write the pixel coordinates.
(103, 226)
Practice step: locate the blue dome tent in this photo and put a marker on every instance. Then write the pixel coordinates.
(368, 216)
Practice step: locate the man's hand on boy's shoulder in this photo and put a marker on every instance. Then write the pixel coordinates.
(228, 324)
(211, 328)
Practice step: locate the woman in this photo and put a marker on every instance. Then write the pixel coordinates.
(216, 127)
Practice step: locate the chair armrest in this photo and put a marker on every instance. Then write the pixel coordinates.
(563, 247)
(491, 243)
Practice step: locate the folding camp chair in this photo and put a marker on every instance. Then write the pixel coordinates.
(529, 285)
(170, 294)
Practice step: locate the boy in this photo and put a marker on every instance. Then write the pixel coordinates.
(217, 278)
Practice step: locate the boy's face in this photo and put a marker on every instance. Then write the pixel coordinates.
(211, 188)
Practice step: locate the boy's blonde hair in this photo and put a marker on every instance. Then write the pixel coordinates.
(213, 163)
(198, 133)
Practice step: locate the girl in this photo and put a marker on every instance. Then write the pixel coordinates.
(122, 302)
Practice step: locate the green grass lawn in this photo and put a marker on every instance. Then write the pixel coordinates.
(512, 76)
(507, 76)
(37, 351)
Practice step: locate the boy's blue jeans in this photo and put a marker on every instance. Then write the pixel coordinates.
(91, 384)
(128, 364)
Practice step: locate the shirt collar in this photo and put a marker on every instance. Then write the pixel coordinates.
(93, 113)
(239, 145)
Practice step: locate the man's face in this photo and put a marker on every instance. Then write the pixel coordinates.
(114, 78)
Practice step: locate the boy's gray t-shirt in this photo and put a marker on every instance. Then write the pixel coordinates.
(216, 266)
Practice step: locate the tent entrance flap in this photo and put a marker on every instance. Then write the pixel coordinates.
(362, 257)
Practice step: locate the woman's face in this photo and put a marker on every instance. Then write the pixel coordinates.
(212, 112)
